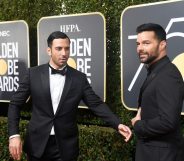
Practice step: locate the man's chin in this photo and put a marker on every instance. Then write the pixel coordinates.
(62, 63)
(143, 61)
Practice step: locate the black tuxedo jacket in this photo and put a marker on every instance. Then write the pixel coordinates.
(76, 88)
(158, 131)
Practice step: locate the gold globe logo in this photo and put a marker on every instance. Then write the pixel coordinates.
(179, 62)
(3, 67)
(71, 62)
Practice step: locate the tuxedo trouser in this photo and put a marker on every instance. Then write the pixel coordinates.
(51, 152)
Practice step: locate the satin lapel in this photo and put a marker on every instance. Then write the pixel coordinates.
(46, 87)
(66, 89)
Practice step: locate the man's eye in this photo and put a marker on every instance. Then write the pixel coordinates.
(58, 49)
(147, 43)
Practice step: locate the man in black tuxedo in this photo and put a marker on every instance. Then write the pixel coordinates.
(56, 90)
(157, 123)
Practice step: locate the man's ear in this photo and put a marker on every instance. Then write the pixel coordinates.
(49, 51)
(163, 44)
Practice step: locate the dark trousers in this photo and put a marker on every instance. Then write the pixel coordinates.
(51, 152)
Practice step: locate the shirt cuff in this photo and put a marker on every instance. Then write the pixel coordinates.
(13, 136)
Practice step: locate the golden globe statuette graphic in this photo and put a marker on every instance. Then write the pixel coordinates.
(3, 67)
(71, 62)
(179, 62)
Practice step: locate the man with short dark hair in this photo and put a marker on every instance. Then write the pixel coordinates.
(56, 90)
(157, 123)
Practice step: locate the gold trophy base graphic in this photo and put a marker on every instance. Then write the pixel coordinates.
(179, 62)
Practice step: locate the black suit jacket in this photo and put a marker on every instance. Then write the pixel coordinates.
(158, 131)
(76, 88)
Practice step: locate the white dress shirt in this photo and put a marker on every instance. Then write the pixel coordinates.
(57, 82)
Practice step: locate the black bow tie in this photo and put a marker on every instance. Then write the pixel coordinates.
(55, 71)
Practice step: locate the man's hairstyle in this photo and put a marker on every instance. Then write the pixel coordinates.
(156, 28)
(56, 35)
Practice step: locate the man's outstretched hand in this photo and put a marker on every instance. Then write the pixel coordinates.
(125, 131)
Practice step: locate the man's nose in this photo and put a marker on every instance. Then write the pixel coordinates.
(63, 52)
(139, 48)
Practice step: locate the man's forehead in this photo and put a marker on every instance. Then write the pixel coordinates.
(146, 35)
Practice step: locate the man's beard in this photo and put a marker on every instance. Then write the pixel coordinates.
(149, 60)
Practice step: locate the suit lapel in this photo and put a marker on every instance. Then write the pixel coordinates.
(150, 78)
(46, 86)
(148, 81)
(66, 89)
(145, 84)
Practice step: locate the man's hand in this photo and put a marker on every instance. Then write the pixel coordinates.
(137, 117)
(15, 147)
(125, 131)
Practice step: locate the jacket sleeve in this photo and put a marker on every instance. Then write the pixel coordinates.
(98, 107)
(18, 100)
